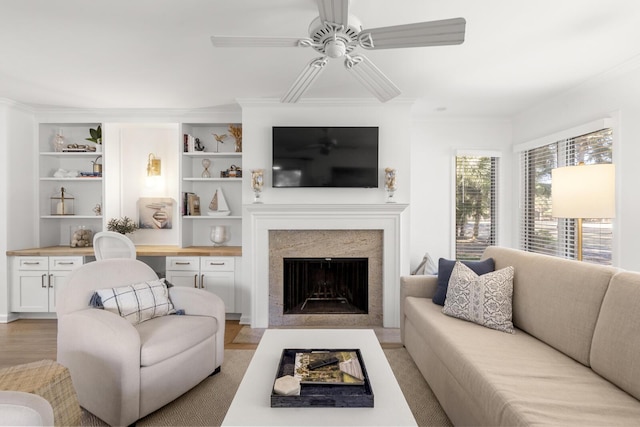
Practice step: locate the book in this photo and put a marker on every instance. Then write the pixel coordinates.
(347, 371)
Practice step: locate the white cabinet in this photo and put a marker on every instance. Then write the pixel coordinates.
(72, 170)
(196, 230)
(34, 281)
(214, 274)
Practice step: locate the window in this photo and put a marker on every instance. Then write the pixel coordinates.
(476, 205)
(540, 231)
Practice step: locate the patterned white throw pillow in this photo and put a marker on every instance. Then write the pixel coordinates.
(138, 302)
(485, 300)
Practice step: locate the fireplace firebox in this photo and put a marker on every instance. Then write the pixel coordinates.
(325, 286)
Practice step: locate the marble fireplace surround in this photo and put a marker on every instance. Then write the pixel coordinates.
(390, 218)
(321, 244)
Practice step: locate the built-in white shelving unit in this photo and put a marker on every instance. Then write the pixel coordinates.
(196, 230)
(87, 191)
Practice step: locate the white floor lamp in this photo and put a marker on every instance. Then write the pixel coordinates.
(584, 191)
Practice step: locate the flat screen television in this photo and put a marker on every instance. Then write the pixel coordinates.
(325, 157)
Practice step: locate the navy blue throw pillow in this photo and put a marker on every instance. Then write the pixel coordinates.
(445, 267)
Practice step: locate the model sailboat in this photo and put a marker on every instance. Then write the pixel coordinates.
(218, 205)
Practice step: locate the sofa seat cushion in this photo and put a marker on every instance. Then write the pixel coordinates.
(519, 380)
(164, 337)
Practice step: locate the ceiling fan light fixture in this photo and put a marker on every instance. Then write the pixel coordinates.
(335, 48)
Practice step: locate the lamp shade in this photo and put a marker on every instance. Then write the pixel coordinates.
(586, 191)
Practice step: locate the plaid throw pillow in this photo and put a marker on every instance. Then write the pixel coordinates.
(138, 302)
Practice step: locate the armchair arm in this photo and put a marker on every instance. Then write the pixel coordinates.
(415, 286)
(102, 352)
(19, 408)
(196, 302)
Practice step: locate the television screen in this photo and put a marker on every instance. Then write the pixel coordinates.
(325, 157)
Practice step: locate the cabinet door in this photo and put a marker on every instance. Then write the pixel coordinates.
(183, 278)
(30, 292)
(55, 279)
(221, 283)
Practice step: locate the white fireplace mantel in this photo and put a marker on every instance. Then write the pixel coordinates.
(391, 218)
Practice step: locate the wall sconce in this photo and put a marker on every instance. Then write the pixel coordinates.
(584, 191)
(153, 166)
(154, 171)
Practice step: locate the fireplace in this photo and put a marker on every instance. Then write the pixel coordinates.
(272, 232)
(287, 251)
(325, 285)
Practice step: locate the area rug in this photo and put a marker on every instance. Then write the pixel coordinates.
(208, 402)
(248, 335)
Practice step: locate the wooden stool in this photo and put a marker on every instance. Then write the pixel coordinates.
(50, 380)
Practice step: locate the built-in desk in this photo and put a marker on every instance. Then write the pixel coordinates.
(141, 250)
(34, 272)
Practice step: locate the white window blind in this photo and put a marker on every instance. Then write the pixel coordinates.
(476, 205)
(540, 231)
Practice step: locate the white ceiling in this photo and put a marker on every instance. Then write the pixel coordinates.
(157, 53)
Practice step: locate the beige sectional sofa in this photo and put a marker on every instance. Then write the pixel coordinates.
(574, 358)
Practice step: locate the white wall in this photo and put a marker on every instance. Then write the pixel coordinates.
(125, 162)
(393, 120)
(613, 95)
(433, 150)
(18, 157)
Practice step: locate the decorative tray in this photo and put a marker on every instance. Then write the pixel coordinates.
(344, 383)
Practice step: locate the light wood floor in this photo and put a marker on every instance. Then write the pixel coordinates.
(27, 340)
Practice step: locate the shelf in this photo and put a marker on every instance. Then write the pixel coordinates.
(71, 217)
(81, 154)
(213, 179)
(87, 178)
(212, 154)
(202, 217)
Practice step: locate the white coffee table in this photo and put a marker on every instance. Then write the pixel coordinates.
(251, 405)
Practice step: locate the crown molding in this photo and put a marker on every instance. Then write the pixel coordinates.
(323, 102)
(17, 105)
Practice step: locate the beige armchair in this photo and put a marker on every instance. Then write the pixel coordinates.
(123, 372)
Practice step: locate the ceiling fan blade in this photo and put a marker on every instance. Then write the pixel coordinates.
(336, 11)
(371, 77)
(231, 41)
(304, 80)
(434, 33)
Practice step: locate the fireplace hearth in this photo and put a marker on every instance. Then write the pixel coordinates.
(325, 285)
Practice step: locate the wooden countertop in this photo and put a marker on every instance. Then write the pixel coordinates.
(141, 250)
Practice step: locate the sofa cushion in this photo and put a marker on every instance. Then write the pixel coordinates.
(516, 379)
(555, 300)
(445, 267)
(137, 302)
(485, 300)
(165, 337)
(616, 340)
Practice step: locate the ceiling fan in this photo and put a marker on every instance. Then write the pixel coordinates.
(336, 34)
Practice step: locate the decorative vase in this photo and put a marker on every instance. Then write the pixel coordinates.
(257, 182)
(390, 184)
(220, 235)
(58, 142)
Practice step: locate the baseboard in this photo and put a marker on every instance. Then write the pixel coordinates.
(245, 320)
(8, 318)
